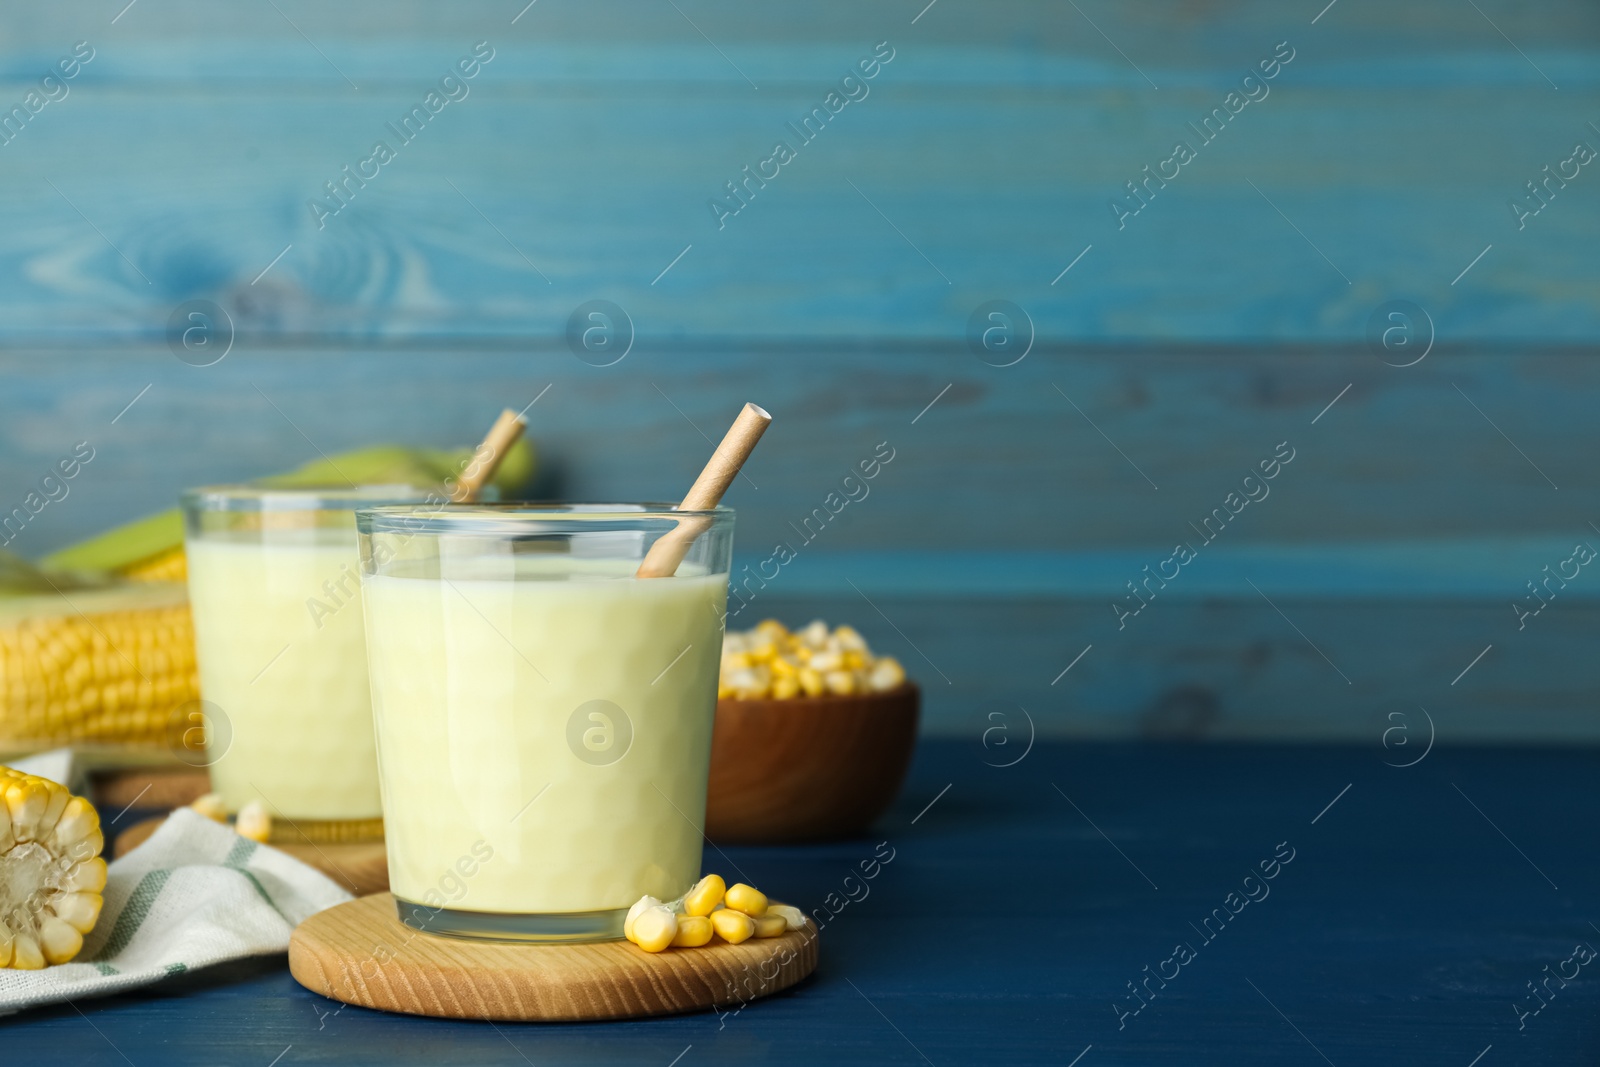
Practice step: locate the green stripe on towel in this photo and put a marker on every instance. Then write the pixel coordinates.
(241, 851)
(238, 855)
(136, 910)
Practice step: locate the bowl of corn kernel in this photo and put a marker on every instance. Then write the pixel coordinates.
(812, 738)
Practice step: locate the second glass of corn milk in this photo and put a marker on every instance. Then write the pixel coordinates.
(543, 716)
(274, 584)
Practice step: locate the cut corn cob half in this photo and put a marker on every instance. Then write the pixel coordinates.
(105, 665)
(51, 873)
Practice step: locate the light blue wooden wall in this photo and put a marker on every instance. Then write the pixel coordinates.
(1175, 353)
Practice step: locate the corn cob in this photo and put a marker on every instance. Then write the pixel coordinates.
(169, 566)
(112, 665)
(117, 665)
(51, 873)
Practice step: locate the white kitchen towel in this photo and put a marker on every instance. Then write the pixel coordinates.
(194, 894)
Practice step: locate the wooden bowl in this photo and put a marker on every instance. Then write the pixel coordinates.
(809, 768)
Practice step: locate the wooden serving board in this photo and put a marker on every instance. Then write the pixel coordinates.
(148, 787)
(361, 868)
(361, 953)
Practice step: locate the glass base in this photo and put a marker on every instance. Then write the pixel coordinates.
(549, 929)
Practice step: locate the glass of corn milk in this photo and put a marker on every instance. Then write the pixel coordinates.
(274, 584)
(543, 716)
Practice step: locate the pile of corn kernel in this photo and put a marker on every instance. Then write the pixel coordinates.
(734, 913)
(769, 661)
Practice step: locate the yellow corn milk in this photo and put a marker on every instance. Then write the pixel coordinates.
(544, 731)
(278, 634)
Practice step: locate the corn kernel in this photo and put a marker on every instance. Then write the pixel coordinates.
(654, 929)
(850, 640)
(25, 954)
(826, 661)
(693, 931)
(815, 633)
(746, 898)
(211, 806)
(840, 683)
(705, 896)
(792, 916)
(887, 674)
(254, 822)
(770, 661)
(639, 906)
(58, 939)
(732, 926)
(751, 683)
(771, 926)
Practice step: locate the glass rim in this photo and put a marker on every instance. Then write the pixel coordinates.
(509, 517)
(244, 497)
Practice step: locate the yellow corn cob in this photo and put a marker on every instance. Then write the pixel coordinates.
(169, 566)
(51, 873)
(113, 665)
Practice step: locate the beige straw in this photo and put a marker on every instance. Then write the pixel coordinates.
(487, 457)
(664, 556)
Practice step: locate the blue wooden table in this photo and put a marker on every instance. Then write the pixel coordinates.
(1333, 906)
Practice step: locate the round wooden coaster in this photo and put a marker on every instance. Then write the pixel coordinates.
(361, 868)
(362, 954)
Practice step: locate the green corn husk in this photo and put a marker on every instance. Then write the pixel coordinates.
(125, 547)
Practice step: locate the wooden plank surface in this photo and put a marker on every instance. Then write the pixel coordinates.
(1211, 668)
(1404, 929)
(585, 153)
(997, 539)
(1006, 459)
(1222, 319)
